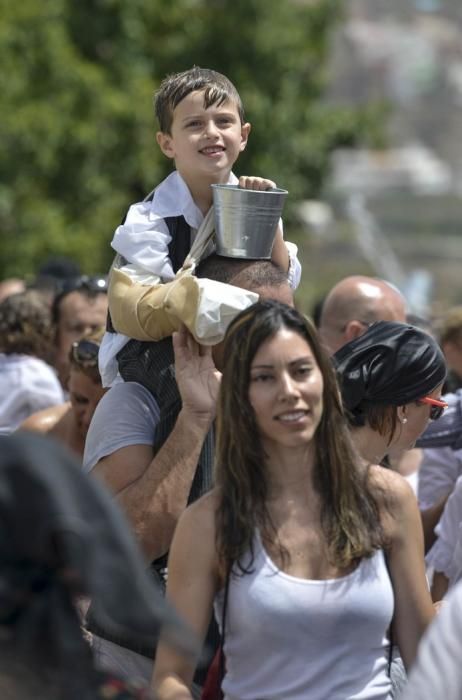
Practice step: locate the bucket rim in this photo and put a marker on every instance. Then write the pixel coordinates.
(271, 190)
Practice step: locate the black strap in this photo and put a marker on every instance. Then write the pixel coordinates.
(390, 629)
(390, 649)
(221, 664)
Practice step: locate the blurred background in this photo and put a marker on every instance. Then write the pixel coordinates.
(355, 109)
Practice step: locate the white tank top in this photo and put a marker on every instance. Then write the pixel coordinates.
(288, 638)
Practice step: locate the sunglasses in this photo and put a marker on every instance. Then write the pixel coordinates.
(436, 406)
(85, 353)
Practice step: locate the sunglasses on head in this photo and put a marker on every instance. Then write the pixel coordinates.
(92, 284)
(85, 353)
(437, 406)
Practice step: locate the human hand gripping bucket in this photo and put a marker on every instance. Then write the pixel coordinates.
(246, 221)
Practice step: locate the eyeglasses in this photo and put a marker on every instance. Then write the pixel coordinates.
(436, 406)
(85, 353)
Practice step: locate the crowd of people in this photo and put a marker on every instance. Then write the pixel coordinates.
(292, 488)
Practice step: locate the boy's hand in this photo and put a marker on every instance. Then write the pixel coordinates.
(255, 183)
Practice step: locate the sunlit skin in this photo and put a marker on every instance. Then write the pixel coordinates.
(352, 304)
(204, 143)
(285, 391)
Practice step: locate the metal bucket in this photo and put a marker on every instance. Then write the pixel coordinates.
(246, 220)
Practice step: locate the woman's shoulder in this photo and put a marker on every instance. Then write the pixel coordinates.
(397, 503)
(390, 488)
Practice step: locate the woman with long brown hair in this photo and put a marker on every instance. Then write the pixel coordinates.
(306, 553)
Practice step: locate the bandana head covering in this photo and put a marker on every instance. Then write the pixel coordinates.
(62, 535)
(391, 364)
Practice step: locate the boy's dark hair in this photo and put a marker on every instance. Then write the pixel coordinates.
(175, 87)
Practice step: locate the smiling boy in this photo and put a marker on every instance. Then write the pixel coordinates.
(203, 131)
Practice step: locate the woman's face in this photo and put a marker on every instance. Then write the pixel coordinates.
(285, 390)
(417, 417)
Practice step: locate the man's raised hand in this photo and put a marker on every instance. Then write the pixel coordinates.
(196, 375)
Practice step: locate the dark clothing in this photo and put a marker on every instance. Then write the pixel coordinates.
(63, 535)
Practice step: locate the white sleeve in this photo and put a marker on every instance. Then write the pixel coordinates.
(439, 471)
(441, 555)
(143, 240)
(295, 268)
(437, 673)
(126, 415)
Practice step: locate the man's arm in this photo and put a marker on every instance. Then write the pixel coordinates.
(153, 490)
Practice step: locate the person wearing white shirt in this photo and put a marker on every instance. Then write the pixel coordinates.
(27, 382)
(446, 554)
(202, 129)
(437, 673)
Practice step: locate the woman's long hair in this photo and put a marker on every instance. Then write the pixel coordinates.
(349, 513)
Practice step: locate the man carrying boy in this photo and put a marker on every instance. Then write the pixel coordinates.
(202, 129)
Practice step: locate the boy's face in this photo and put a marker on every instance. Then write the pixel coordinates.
(204, 143)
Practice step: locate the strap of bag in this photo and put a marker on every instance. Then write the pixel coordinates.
(390, 629)
(201, 241)
(221, 665)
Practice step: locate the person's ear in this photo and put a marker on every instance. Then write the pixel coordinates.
(354, 329)
(245, 131)
(401, 412)
(166, 144)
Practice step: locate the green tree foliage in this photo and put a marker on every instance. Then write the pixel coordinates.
(77, 127)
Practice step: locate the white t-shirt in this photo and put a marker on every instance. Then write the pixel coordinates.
(437, 672)
(439, 471)
(446, 553)
(27, 385)
(126, 415)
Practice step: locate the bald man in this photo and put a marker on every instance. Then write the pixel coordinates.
(353, 304)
